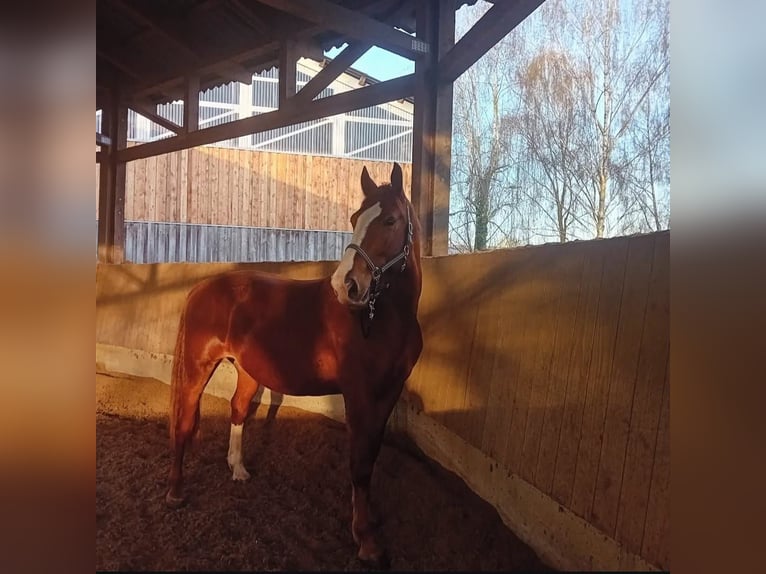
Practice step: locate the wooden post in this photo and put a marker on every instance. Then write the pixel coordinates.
(191, 104)
(111, 188)
(287, 72)
(432, 129)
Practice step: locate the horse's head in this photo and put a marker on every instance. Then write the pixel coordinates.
(382, 239)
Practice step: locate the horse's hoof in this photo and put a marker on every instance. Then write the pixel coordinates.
(174, 501)
(381, 561)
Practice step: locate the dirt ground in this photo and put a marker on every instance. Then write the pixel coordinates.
(295, 511)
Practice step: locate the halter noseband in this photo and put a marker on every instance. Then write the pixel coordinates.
(377, 272)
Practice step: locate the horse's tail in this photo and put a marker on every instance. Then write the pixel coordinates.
(177, 378)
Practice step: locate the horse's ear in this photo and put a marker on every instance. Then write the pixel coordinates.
(396, 179)
(368, 186)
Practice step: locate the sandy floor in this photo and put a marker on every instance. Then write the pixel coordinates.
(294, 513)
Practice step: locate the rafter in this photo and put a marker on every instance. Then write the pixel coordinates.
(225, 67)
(335, 68)
(488, 31)
(146, 111)
(355, 99)
(353, 24)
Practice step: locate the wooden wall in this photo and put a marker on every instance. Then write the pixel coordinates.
(228, 186)
(552, 360)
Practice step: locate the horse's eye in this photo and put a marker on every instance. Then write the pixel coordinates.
(390, 221)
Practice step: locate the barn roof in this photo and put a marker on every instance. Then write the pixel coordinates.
(148, 47)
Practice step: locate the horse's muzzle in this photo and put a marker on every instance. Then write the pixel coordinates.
(356, 297)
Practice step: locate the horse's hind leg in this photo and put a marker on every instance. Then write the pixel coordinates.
(240, 409)
(186, 422)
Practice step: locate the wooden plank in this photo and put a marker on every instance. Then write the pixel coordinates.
(506, 363)
(300, 192)
(578, 371)
(308, 192)
(296, 203)
(214, 189)
(481, 370)
(271, 205)
(259, 190)
(622, 380)
(202, 187)
(151, 189)
(373, 95)
(235, 184)
(173, 211)
(519, 340)
(279, 193)
(656, 543)
(130, 190)
(327, 188)
(169, 183)
(183, 186)
(198, 172)
(571, 263)
(598, 383)
(290, 165)
(246, 159)
(224, 186)
(652, 366)
(539, 358)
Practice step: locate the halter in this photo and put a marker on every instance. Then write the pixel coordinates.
(377, 272)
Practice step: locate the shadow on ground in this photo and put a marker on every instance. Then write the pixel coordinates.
(293, 514)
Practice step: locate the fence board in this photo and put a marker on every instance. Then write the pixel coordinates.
(654, 349)
(545, 325)
(622, 381)
(656, 542)
(567, 319)
(598, 379)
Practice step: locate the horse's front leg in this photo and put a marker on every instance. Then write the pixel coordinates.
(365, 445)
(366, 420)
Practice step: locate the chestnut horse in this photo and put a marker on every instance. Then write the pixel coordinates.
(355, 333)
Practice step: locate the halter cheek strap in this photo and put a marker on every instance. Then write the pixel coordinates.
(377, 272)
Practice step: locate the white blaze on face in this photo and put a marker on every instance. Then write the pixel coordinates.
(362, 223)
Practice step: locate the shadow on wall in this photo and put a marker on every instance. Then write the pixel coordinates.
(552, 360)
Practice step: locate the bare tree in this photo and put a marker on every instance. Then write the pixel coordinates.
(548, 122)
(484, 158)
(562, 130)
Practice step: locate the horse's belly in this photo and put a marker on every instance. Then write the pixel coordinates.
(297, 377)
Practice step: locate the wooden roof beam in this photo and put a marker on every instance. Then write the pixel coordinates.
(146, 111)
(354, 24)
(488, 31)
(226, 67)
(251, 18)
(331, 71)
(383, 92)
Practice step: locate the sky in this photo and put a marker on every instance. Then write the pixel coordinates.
(379, 64)
(383, 65)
